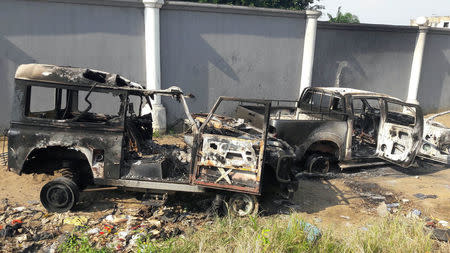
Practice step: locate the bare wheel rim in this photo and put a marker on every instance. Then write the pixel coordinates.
(242, 204)
(58, 196)
(319, 164)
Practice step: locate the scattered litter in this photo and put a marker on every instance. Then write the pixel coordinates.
(364, 229)
(405, 200)
(16, 221)
(154, 232)
(43, 236)
(76, 220)
(155, 223)
(424, 196)
(19, 209)
(134, 239)
(441, 234)
(345, 217)
(93, 231)
(33, 202)
(313, 233)
(414, 214)
(373, 196)
(382, 209)
(109, 218)
(431, 223)
(317, 219)
(123, 235)
(392, 205)
(10, 231)
(21, 238)
(443, 223)
(120, 219)
(417, 177)
(108, 228)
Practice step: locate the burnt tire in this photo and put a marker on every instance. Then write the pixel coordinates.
(59, 195)
(241, 205)
(318, 163)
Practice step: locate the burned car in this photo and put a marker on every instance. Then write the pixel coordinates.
(348, 126)
(90, 125)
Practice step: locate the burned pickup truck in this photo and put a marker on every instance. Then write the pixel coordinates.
(344, 126)
(90, 125)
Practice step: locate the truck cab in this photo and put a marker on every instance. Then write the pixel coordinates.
(348, 126)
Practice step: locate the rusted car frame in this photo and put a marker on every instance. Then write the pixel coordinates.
(96, 148)
(350, 126)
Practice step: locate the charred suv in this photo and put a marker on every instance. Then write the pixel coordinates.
(349, 126)
(93, 127)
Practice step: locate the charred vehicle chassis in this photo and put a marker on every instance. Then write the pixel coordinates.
(92, 126)
(347, 126)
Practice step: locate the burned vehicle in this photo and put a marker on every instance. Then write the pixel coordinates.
(344, 126)
(91, 126)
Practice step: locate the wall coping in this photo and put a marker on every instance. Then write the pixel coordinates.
(192, 6)
(367, 27)
(436, 30)
(233, 9)
(115, 3)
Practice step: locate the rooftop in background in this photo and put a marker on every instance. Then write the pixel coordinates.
(435, 21)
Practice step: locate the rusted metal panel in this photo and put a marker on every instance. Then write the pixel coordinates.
(230, 162)
(228, 152)
(163, 186)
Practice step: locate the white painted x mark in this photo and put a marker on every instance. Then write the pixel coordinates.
(224, 175)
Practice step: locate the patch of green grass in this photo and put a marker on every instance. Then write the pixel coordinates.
(74, 244)
(156, 134)
(287, 234)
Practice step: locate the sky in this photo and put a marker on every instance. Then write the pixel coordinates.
(394, 12)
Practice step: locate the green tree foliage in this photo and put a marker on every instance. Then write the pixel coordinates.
(280, 4)
(343, 17)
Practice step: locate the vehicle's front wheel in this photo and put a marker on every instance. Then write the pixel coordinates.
(240, 204)
(318, 163)
(59, 195)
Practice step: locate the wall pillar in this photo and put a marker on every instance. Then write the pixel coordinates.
(309, 45)
(152, 60)
(416, 66)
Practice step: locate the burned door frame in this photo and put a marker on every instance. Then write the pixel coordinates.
(418, 127)
(199, 138)
(350, 124)
(417, 132)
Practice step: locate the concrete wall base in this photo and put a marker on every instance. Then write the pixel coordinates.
(159, 118)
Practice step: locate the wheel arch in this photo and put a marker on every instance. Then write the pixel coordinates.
(324, 146)
(51, 158)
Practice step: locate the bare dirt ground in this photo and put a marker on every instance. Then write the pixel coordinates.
(352, 198)
(444, 119)
(345, 200)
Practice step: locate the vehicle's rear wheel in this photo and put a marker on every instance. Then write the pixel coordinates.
(240, 204)
(318, 163)
(59, 195)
